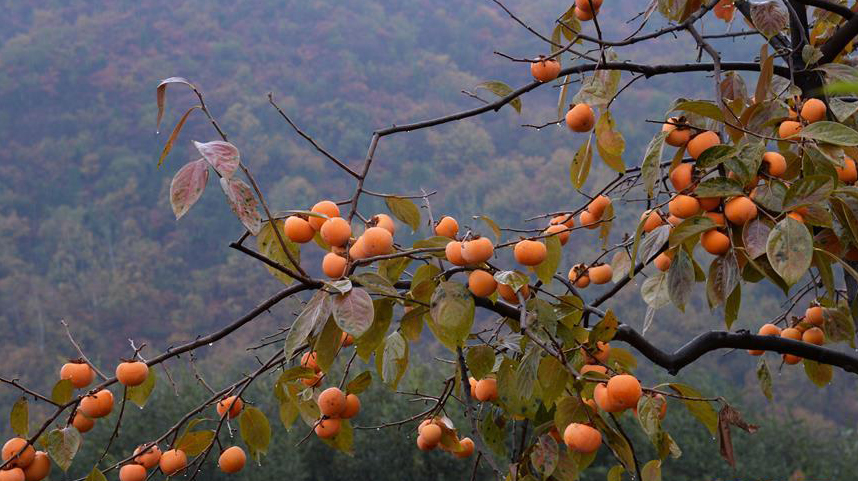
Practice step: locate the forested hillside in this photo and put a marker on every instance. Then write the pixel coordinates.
(88, 233)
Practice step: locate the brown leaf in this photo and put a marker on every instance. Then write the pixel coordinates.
(161, 95)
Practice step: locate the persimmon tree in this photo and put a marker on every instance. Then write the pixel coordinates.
(762, 181)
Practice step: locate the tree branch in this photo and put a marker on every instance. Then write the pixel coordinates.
(829, 6)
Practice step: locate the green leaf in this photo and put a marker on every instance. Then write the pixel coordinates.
(341, 286)
(651, 166)
(818, 373)
(655, 292)
(451, 314)
(255, 431)
(605, 329)
(812, 189)
(392, 269)
(610, 142)
(62, 391)
(353, 312)
(716, 155)
(616, 473)
(570, 410)
(369, 342)
(830, 132)
(501, 90)
(765, 378)
(359, 383)
(288, 413)
(327, 345)
(839, 326)
(411, 324)
(62, 445)
(731, 308)
(480, 360)
(723, 278)
(771, 195)
(700, 107)
(755, 235)
(702, 410)
(492, 225)
(514, 279)
(95, 475)
(680, 278)
(375, 283)
(688, 228)
(746, 163)
(580, 167)
(719, 187)
(493, 431)
(269, 246)
(404, 210)
(651, 471)
(598, 89)
(19, 418)
(790, 250)
(193, 443)
(545, 455)
(315, 313)
(546, 269)
(552, 378)
(653, 243)
(344, 440)
(140, 394)
(394, 359)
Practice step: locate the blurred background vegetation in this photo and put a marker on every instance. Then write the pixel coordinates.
(89, 237)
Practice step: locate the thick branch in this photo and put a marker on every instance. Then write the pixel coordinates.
(845, 34)
(841, 10)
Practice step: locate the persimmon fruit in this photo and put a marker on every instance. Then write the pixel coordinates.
(482, 283)
(580, 118)
(132, 373)
(530, 252)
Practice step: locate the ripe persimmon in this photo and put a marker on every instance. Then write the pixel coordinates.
(12, 474)
(601, 274)
(718, 218)
(709, 203)
(564, 219)
(232, 460)
(673, 220)
(584, 15)
(510, 295)
(357, 250)
(796, 216)
(453, 253)
(580, 118)
(312, 381)
(678, 136)
(327, 428)
(477, 250)
(473, 383)
(589, 5)
(625, 390)
(598, 205)
(79, 373)
(467, 448)
(791, 359)
(653, 220)
(233, 404)
(848, 174)
(563, 235)
(336, 231)
(39, 469)
(385, 222)
(530, 252)
(447, 227)
(431, 434)
(791, 333)
(331, 402)
(683, 206)
(740, 210)
(604, 401)
(662, 261)
(775, 163)
(325, 207)
(352, 407)
(593, 368)
(814, 315)
(813, 110)
(309, 360)
(545, 69)
(173, 461)
(148, 458)
(82, 423)
(132, 472)
(333, 265)
(579, 276)
(715, 242)
(487, 389)
(588, 220)
(423, 445)
(97, 405)
(701, 142)
(298, 230)
(601, 353)
(482, 283)
(788, 128)
(682, 176)
(132, 373)
(582, 438)
(814, 335)
(377, 241)
(13, 447)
